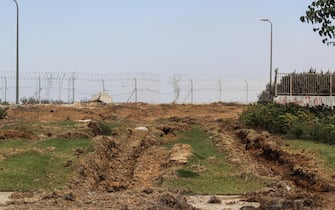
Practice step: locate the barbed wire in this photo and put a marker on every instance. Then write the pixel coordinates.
(123, 87)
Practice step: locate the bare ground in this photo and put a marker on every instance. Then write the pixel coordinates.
(125, 170)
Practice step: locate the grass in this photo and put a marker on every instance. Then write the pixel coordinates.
(64, 123)
(63, 145)
(34, 167)
(324, 152)
(186, 173)
(6, 144)
(107, 127)
(218, 177)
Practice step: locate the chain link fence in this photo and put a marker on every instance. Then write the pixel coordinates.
(63, 87)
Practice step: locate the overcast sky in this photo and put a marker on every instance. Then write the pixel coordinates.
(160, 36)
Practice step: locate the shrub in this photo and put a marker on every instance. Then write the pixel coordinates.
(105, 129)
(267, 95)
(3, 113)
(315, 123)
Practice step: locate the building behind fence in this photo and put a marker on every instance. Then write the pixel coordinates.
(130, 87)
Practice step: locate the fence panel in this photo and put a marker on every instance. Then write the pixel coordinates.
(302, 84)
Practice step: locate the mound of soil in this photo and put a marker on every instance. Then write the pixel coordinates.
(295, 170)
(117, 166)
(17, 134)
(132, 163)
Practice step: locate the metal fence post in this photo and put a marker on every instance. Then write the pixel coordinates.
(73, 79)
(220, 90)
(103, 86)
(68, 90)
(39, 89)
(191, 91)
(330, 84)
(135, 90)
(5, 89)
(276, 74)
(247, 90)
(291, 85)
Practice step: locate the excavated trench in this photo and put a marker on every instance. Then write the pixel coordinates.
(294, 169)
(130, 163)
(115, 165)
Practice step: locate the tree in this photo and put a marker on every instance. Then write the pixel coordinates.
(266, 96)
(322, 13)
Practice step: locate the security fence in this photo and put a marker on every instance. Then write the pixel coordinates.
(61, 87)
(305, 84)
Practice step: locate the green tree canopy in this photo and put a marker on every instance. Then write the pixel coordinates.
(322, 14)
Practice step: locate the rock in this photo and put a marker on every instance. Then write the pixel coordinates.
(51, 149)
(95, 128)
(79, 150)
(85, 121)
(214, 199)
(67, 163)
(148, 191)
(180, 153)
(141, 129)
(69, 197)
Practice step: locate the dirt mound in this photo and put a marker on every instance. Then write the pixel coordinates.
(294, 169)
(121, 165)
(97, 168)
(168, 128)
(73, 135)
(132, 163)
(169, 202)
(17, 134)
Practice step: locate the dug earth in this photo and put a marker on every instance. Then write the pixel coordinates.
(132, 154)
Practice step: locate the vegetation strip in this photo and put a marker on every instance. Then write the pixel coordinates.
(207, 172)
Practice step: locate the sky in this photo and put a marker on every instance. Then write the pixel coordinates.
(161, 36)
(180, 36)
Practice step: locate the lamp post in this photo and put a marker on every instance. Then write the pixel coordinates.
(267, 20)
(17, 52)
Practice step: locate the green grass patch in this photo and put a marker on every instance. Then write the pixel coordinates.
(219, 185)
(32, 171)
(64, 123)
(30, 165)
(5, 144)
(186, 173)
(324, 152)
(63, 145)
(106, 128)
(207, 171)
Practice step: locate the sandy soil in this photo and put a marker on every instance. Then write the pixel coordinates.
(125, 169)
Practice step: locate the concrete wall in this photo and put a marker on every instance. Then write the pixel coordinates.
(306, 100)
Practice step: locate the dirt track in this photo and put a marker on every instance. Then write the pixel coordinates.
(123, 174)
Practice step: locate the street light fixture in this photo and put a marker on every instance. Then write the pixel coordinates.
(267, 20)
(17, 52)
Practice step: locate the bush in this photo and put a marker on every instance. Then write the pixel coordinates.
(3, 113)
(315, 123)
(32, 100)
(267, 95)
(106, 130)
